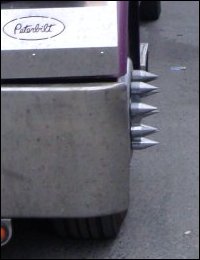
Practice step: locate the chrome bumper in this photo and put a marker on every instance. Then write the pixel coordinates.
(65, 150)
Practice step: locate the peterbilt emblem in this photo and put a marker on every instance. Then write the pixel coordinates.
(32, 28)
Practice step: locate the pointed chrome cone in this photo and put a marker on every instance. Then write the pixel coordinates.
(140, 109)
(143, 75)
(141, 88)
(142, 130)
(142, 143)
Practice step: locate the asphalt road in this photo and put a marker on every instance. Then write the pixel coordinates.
(164, 214)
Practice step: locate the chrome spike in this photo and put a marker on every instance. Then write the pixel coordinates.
(142, 75)
(141, 88)
(142, 130)
(140, 109)
(142, 143)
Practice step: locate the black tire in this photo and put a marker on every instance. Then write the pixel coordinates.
(90, 228)
(150, 10)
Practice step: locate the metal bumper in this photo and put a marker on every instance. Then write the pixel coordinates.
(65, 150)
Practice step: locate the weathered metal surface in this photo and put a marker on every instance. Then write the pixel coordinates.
(65, 150)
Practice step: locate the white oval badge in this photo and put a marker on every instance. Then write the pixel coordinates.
(32, 28)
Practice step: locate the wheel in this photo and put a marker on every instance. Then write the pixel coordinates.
(150, 10)
(90, 228)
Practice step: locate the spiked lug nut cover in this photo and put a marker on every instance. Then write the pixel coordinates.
(142, 75)
(142, 143)
(143, 89)
(140, 109)
(142, 130)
